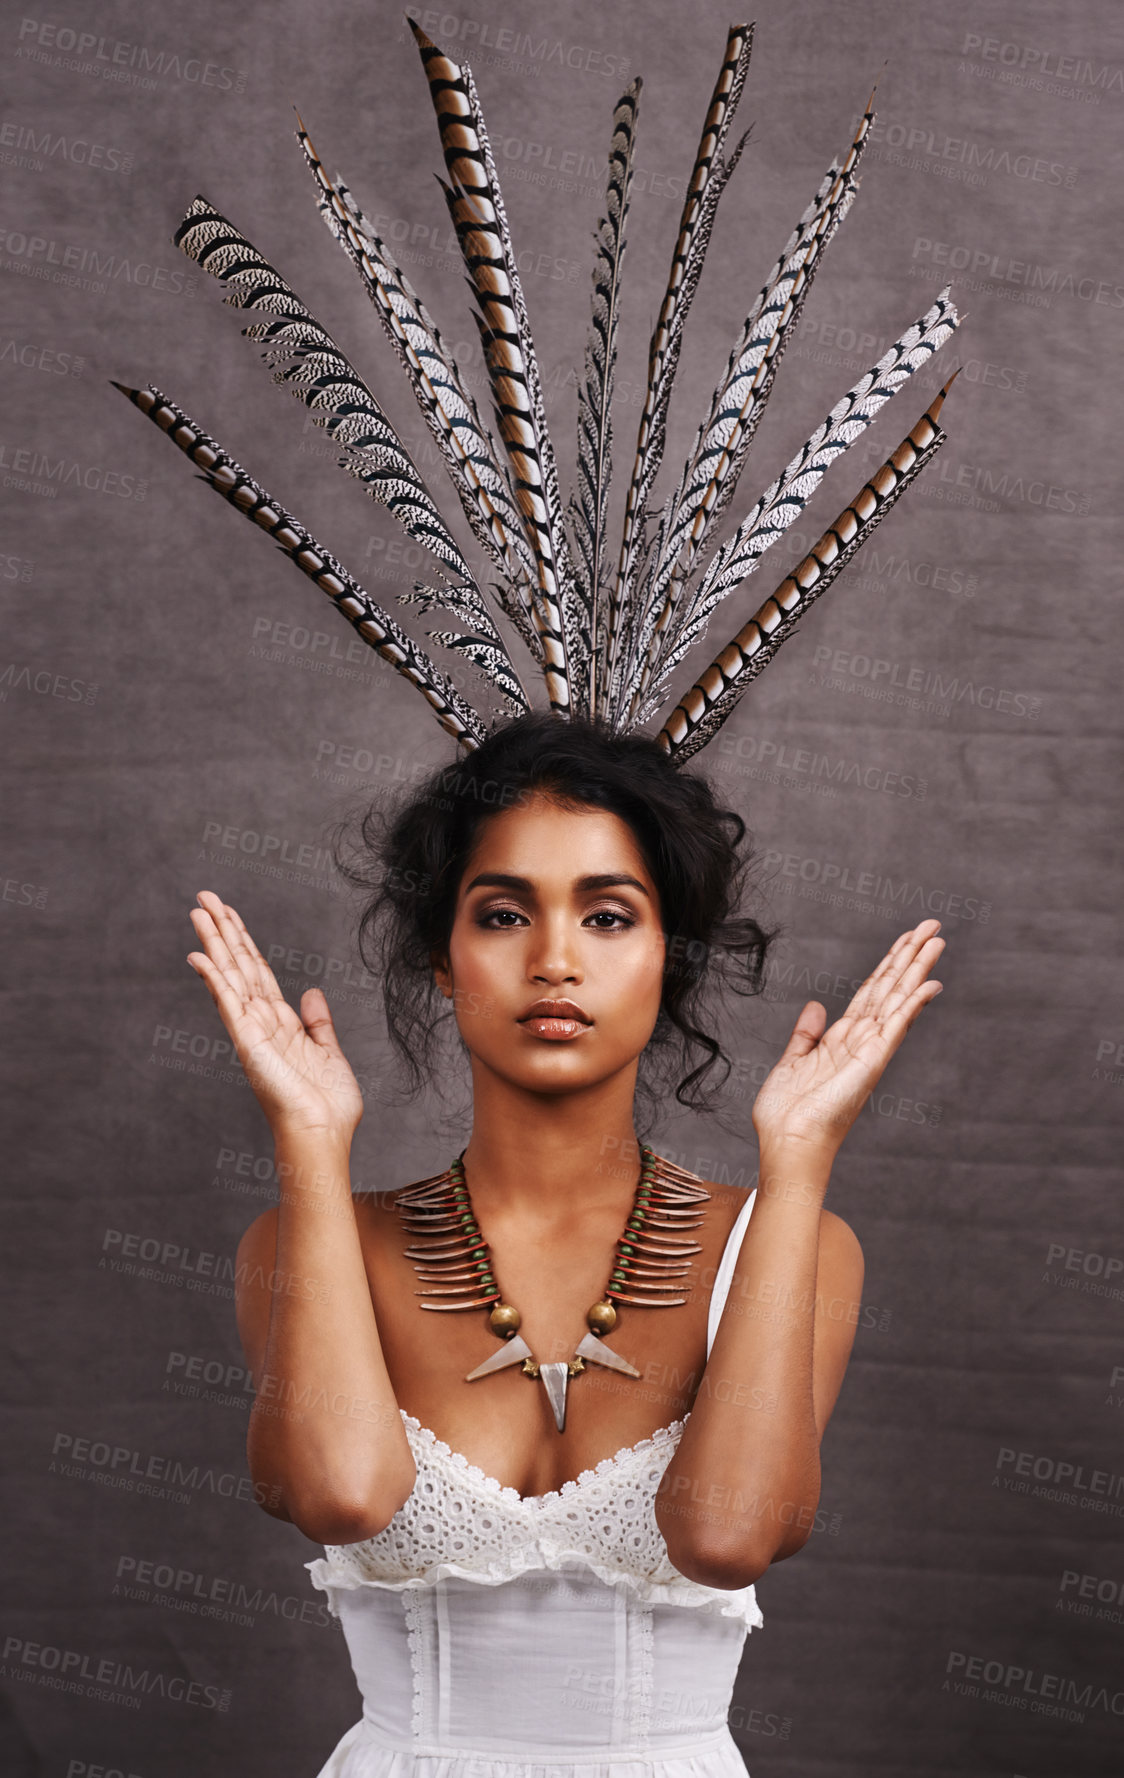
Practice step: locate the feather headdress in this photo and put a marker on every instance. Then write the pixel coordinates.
(607, 629)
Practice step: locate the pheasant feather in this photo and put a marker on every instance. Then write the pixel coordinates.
(320, 375)
(477, 214)
(699, 715)
(447, 406)
(607, 642)
(786, 498)
(663, 352)
(710, 477)
(377, 629)
(595, 395)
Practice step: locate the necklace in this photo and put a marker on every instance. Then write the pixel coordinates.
(650, 1264)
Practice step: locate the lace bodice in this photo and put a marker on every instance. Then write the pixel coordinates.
(461, 1523)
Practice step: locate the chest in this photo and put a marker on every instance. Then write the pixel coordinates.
(503, 1424)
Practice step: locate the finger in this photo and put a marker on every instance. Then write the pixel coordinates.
(247, 957)
(267, 981)
(214, 946)
(227, 998)
(316, 1017)
(898, 959)
(898, 1022)
(806, 1032)
(913, 974)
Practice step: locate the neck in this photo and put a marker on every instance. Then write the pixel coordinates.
(530, 1154)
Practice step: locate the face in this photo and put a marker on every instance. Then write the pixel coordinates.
(555, 905)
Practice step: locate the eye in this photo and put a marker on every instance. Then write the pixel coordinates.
(621, 917)
(499, 919)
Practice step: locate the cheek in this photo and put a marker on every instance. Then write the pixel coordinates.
(637, 978)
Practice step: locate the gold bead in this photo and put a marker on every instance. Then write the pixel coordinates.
(504, 1320)
(602, 1318)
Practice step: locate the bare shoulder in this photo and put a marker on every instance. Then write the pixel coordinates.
(254, 1266)
(260, 1238)
(841, 1253)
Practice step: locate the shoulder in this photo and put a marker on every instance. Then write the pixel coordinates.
(258, 1241)
(840, 1249)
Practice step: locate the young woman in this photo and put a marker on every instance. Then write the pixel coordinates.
(524, 1588)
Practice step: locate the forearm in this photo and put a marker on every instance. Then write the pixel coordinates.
(325, 1429)
(744, 1482)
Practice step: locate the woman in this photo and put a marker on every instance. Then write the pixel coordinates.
(521, 1588)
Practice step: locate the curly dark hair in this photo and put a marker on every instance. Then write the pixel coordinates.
(411, 861)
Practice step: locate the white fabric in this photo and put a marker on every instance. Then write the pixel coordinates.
(549, 1637)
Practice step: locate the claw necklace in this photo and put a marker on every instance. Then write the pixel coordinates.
(651, 1262)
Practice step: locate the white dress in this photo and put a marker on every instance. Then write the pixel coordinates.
(495, 1636)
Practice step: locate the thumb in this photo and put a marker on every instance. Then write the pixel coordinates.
(316, 1017)
(806, 1032)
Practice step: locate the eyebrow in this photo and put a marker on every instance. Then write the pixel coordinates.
(494, 879)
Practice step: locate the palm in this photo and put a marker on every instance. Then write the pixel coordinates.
(825, 1075)
(292, 1060)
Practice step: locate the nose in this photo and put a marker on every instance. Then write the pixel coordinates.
(554, 956)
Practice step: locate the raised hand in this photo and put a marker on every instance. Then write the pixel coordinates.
(826, 1074)
(292, 1060)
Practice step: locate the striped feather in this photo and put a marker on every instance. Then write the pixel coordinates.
(477, 214)
(447, 405)
(699, 715)
(595, 394)
(466, 604)
(663, 352)
(377, 629)
(491, 662)
(786, 498)
(320, 375)
(710, 477)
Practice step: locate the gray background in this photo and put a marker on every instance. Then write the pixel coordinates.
(982, 1181)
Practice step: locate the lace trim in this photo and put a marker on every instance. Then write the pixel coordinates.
(460, 1523)
(413, 1605)
(482, 1479)
(641, 1677)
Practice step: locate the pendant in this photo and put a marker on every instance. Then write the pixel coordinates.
(554, 1377)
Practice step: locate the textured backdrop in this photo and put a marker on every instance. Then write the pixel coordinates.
(181, 710)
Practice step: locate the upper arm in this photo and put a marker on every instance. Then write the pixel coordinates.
(839, 1283)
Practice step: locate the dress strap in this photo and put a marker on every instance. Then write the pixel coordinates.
(726, 1269)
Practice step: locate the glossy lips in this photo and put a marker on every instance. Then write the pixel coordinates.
(556, 1020)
